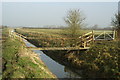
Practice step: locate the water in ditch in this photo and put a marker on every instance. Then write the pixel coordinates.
(61, 71)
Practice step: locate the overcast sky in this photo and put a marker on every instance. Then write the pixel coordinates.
(52, 13)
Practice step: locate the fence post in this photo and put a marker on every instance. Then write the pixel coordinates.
(13, 35)
(82, 41)
(104, 35)
(93, 35)
(84, 44)
(114, 35)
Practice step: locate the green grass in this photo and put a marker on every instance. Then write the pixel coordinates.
(16, 66)
(56, 32)
(10, 50)
(105, 56)
(102, 60)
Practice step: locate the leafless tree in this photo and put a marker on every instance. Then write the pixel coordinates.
(116, 23)
(74, 21)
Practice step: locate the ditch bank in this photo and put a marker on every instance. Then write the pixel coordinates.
(20, 62)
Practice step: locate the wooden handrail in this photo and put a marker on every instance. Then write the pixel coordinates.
(58, 48)
(89, 40)
(49, 38)
(87, 34)
(91, 36)
(86, 38)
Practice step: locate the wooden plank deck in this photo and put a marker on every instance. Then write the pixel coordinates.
(58, 48)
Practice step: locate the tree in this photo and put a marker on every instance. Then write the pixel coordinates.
(74, 21)
(116, 23)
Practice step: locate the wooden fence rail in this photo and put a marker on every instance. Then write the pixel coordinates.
(86, 39)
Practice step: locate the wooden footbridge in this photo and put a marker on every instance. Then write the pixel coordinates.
(84, 43)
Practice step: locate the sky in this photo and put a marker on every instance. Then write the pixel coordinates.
(40, 14)
(59, 0)
(0, 13)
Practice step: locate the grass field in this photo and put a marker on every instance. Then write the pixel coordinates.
(56, 32)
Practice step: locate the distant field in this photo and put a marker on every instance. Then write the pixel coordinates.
(53, 37)
(60, 33)
(49, 33)
(56, 31)
(53, 31)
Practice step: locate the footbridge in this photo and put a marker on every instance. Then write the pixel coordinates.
(84, 42)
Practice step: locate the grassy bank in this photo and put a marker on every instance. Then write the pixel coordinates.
(19, 62)
(100, 61)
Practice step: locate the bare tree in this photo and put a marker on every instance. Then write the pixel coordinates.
(116, 23)
(74, 21)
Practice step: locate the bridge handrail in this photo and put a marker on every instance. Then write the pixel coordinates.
(86, 38)
(89, 33)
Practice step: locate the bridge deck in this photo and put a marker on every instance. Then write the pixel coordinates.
(58, 48)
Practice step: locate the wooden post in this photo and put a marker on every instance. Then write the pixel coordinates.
(104, 35)
(63, 42)
(13, 34)
(93, 35)
(84, 44)
(114, 35)
(80, 41)
(20, 37)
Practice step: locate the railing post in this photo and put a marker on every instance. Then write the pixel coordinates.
(114, 35)
(84, 44)
(13, 35)
(93, 35)
(104, 35)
